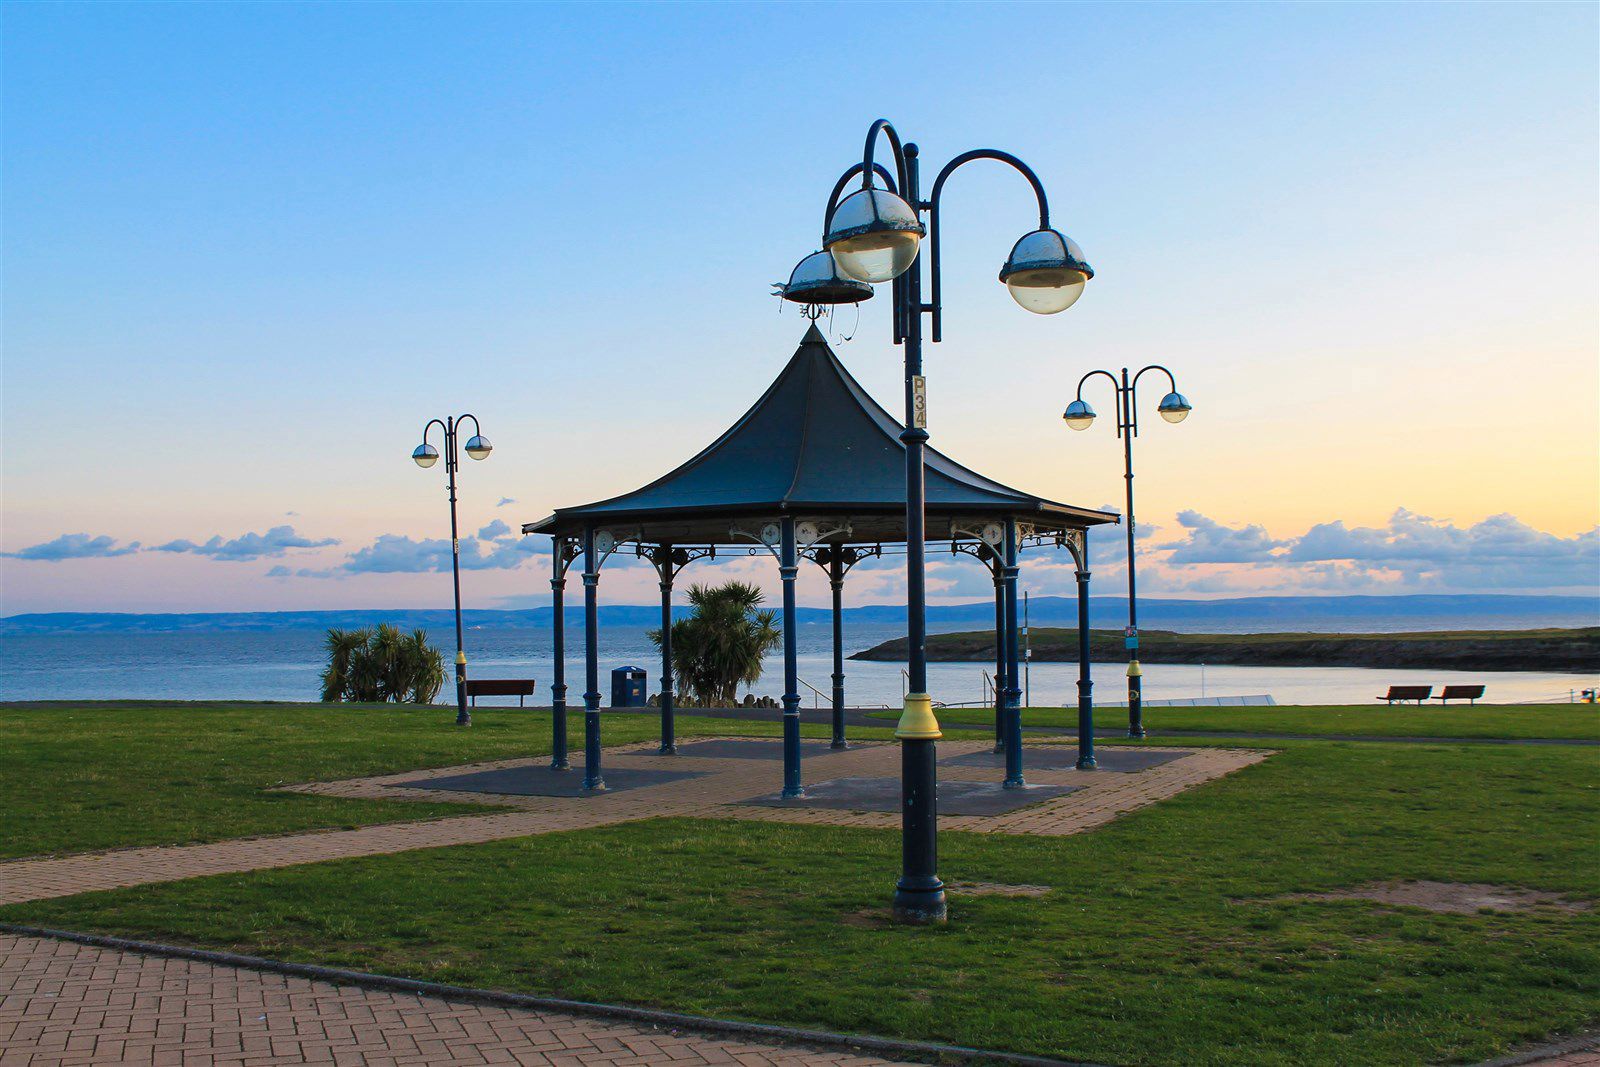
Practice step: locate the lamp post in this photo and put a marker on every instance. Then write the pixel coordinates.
(1174, 407)
(870, 237)
(478, 447)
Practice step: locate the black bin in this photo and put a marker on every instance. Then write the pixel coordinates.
(627, 687)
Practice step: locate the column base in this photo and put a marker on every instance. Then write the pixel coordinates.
(920, 905)
(594, 785)
(1087, 763)
(1137, 733)
(839, 746)
(667, 750)
(1014, 783)
(793, 794)
(560, 765)
(463, 720)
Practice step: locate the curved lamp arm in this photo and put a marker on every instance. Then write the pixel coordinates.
(933, 212)
(894, 143)
(1114, 383)
(431, 423)
(1116, 392)
(477, 431)
(1171, 381)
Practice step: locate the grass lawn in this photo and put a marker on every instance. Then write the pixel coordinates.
(79, 777)
(1163, 940)
(1564, 721)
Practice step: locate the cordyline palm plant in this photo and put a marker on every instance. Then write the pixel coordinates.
(721, 645)
(373, 666)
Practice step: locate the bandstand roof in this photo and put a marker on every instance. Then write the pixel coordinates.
(817, 446)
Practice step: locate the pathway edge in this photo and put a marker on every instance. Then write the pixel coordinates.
(769, 1032)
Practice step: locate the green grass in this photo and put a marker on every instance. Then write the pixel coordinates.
(79, 777)
(1163, 940)
(1561, 721)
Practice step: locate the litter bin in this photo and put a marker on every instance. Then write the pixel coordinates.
(627, 687)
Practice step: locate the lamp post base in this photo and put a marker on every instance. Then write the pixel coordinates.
(920, 905)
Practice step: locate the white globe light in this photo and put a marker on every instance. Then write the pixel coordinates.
(1174, 407)
(873, 236)
(479, 447)
(1079, 415)
(1045, 272)
(425, 455)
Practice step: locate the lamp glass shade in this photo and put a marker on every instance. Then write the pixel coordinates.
(425, 455)
(479, 447)
(1046, 291)
(873, 235)
(1079, 415)
(1045, 272)
(1174, 407)
(817, 280)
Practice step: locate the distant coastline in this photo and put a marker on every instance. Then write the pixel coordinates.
(1327, 614)
(1565, 650)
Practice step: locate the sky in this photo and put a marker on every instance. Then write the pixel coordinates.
(249, 250)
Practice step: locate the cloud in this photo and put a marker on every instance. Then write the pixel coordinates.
(1411, 553)
(74, 546)
(504, 501)
(399, 554)
(274, 543)
(1209, 541)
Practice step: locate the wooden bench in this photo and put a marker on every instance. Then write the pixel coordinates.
(1419, 693)
(499, 687)
(1469, 693)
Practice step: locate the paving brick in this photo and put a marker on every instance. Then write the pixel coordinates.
(90, 978)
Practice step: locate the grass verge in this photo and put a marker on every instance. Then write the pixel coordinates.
(80, 777)
(1165, 937)
(1532, 721)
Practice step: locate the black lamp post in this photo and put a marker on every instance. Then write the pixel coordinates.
(1174, 407)
(873, 236)
(478, 447)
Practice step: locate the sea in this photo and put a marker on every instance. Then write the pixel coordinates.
(283, 666)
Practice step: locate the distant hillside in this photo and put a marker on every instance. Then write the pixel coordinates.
(1235, 615)
(1480, 650)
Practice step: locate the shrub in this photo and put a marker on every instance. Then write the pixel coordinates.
(380, 665)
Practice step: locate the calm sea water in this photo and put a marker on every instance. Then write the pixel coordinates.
(284, 666)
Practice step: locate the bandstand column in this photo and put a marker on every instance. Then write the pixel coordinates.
(836, 583)
(664, 569)
(1086, 761)
(788, 570)
(558, 666)
(1013, 695)
(999, 661)
(593, 779)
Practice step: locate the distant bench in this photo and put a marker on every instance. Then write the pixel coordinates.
(499, 687)
(1419, 693)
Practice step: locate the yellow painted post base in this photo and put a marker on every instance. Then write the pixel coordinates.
(917, 721)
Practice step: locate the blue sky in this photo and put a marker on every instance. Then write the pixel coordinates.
(250, 249)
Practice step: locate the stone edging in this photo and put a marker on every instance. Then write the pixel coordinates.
(1583, 1042)
(885, 1046)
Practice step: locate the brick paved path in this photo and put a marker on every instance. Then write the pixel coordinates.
(63, 1003)
(1102, 796)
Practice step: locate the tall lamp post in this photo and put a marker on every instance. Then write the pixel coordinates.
(870, 237)
(478, 447)
(1174, 407)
